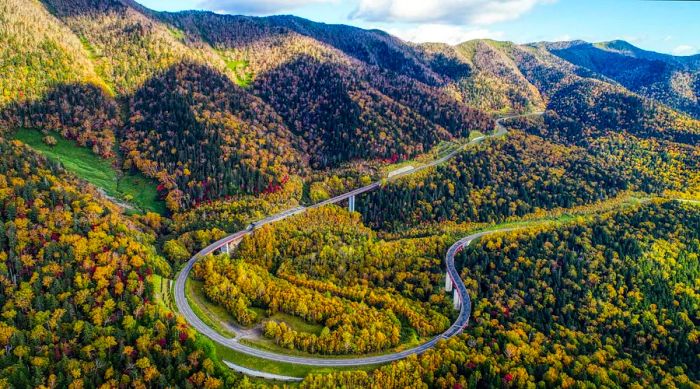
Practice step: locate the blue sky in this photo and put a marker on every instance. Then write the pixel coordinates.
(664, 26)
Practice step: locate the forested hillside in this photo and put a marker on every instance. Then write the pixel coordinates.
(48, 80)
(493, 82)
(586, 108)
(271, 98)
(225, 86)
(525, 174)
(608, 301)
(77, 298)
(347, 99)
(231, 119)
(33, 63)
(200, 114)
(674, 81)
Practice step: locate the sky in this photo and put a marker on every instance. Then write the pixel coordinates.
(664, 26)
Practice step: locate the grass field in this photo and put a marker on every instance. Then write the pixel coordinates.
(297, 323)
(133, 189)
(211, 314)
(280, 368)
(475, 134)
(240, 68)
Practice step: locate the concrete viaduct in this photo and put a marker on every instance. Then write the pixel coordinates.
(453, 281)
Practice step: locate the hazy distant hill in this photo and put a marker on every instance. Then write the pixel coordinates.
(672, 80)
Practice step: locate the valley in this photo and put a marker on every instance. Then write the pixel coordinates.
(232, 240)
(204, 199)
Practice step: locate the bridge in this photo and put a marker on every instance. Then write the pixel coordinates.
(462, 302)
(457, 285)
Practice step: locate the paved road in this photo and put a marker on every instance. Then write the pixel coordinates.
(232, 343)
(456, 328)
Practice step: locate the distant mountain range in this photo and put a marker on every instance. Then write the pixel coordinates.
(214, 105)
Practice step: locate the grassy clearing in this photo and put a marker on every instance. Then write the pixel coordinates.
(297, 323)
(280, 368)
(177, 34)
(212, 315)
(134, 189)
(92, 53)
(270, 345)
(244, 77)
(95, 56)
(475, 134)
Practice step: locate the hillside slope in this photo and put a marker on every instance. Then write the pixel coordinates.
(671, 80)
(77, 293)
(268, 98)
(47, 73)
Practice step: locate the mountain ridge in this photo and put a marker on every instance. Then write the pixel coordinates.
(333, 94)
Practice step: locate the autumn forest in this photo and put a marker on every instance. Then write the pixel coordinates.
(175, 206)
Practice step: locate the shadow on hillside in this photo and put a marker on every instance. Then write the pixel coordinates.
(81, 112)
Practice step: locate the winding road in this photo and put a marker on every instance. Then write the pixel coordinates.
(232, 343)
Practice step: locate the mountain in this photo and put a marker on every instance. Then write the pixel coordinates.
(491, 80)
(335, 86)
(230, 119)
(277, 82)
(672, 80)
(269, 98)
(47, 74)
(38, 51)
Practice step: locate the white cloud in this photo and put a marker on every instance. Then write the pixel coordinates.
(481, 12)
(257, 7)
(443, 33)
(684, 50)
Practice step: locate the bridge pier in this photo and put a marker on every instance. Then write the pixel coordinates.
(457, 301)
(448, 283)
(351, 203)
(226, 249)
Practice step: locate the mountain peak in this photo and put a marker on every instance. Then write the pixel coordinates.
(625, 48)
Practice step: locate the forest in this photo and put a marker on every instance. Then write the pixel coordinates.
(605, 301)
(78, 308)
(333, 266)
(235, 118)
(524, 174)
(178, 103)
